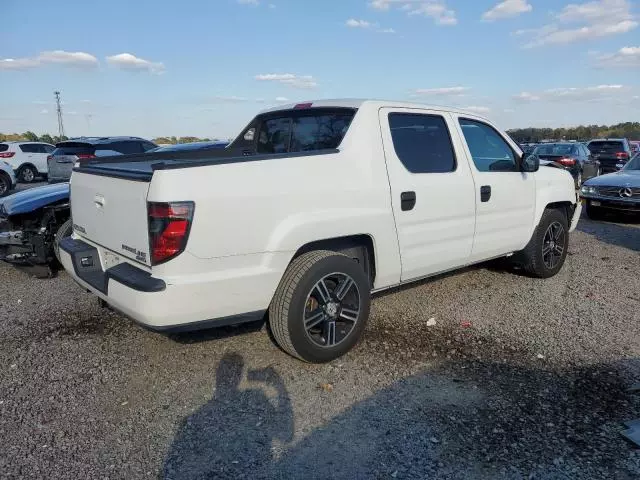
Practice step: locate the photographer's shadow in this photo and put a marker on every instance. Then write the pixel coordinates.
(237, 430)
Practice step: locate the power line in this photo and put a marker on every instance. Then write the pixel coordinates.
(59, 109)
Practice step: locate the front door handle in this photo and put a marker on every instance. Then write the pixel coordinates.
(407, 201)
(485, 193)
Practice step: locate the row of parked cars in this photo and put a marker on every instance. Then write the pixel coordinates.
(585, 160)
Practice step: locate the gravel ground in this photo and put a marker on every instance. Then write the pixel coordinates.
(518, 378)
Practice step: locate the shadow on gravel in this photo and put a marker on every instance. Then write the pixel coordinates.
(620, 235)
(466, 419)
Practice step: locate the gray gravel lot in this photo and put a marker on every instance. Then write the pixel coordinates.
(519, 378)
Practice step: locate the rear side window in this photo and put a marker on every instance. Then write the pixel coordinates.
(124, 147)
(73, 148)
(29, 148)
(274, 136)
(4, 147)
(606, 146)
(48, 148)
(319, 132)
(490, 152)
(422, 142)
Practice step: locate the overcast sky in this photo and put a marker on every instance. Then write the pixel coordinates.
(205, 67)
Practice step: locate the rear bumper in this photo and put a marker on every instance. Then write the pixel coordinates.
(149, 301)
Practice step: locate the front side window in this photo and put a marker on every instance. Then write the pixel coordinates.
(319, 132)
(489, 151)
(422, 142)
(274, 136)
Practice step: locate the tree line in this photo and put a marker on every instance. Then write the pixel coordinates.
(53, 139)
(583, 133)
(630, 130)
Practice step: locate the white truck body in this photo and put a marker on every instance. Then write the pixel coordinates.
(252, 214)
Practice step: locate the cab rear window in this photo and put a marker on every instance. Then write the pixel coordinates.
(303, 130)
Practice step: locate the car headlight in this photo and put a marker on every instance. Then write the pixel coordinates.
(586, 189)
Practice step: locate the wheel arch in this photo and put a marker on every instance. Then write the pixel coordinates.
(360, 247)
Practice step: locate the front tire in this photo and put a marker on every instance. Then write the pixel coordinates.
(321, 306)
(546, 252)
(27, 174)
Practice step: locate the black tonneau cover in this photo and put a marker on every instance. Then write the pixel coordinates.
(140, 166)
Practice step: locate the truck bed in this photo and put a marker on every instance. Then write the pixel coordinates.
(140, 167)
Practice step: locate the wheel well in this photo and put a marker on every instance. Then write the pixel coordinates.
(565, 207)
(358, 247)
(27, 164)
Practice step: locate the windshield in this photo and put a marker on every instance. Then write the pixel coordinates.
(556, 149)
(634, 163)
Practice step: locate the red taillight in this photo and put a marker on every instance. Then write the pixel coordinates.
(169, 225)
(7, 154)
(622, 155)
(300, 106)
(84, 156)
(567, 162)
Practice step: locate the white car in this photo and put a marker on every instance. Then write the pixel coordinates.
(28, 159)
(310, 209)
(7, 179)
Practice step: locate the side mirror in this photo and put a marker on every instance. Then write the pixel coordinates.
(530, 163)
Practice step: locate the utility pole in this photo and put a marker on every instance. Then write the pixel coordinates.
(59, 109)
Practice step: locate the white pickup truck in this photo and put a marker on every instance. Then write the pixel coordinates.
(312, 208)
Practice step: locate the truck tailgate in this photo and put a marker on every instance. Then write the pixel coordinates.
(112, 212)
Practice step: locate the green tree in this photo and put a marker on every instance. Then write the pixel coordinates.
(46, 138)
(30, 136)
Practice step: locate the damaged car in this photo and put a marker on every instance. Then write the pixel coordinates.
(32, 222)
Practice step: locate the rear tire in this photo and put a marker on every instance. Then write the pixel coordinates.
(321, 306)
(546, 252)
(65, 230)
(27, 174)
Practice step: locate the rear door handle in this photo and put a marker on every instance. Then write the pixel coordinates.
(485, 193)
(407, 201)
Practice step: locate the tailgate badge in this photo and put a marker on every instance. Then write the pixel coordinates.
(99, 201)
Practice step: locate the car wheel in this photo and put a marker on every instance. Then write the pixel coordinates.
(27, 174)
(321, 306)
(65, 230)
(594, 213)
(5, 185)
(546, 252)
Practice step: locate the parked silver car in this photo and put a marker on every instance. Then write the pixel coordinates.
(67, 153)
